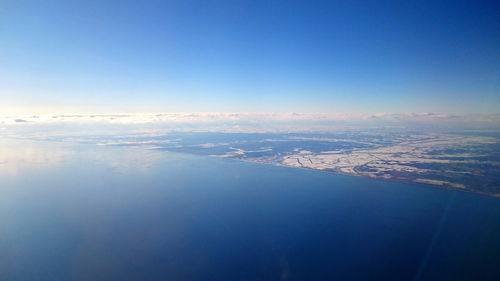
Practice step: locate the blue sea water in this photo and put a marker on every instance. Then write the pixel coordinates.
(84, 212)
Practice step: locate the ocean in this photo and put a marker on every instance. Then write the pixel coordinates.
(85, 212)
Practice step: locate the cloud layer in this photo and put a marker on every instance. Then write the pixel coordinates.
(257, 121)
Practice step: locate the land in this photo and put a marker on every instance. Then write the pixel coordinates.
(452, 160)
(460, 161)
(468, 163)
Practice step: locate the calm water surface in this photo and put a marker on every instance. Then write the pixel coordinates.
(80, 212)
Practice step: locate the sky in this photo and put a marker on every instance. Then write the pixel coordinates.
(356, 57)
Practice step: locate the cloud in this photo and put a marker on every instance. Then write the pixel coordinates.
(257, 121)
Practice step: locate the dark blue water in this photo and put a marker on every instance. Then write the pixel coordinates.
(76, 212)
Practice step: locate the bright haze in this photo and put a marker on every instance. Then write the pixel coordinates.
(328, 57)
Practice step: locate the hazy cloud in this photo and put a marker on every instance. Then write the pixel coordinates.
(258, 121)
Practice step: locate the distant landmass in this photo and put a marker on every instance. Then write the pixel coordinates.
(453, 161)
(461, 161)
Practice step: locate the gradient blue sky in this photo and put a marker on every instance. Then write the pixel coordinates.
(305, 56)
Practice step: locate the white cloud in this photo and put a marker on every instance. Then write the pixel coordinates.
(245, 121)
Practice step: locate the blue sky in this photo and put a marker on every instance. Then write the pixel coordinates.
(256, 56)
